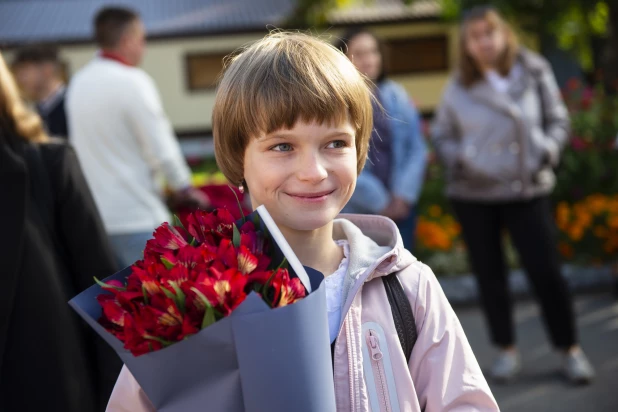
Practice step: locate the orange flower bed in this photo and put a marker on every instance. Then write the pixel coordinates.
(589, 228)
(437, 230)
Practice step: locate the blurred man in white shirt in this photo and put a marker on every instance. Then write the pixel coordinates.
(123, 138)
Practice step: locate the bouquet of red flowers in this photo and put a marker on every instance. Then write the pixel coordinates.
(192, 277)
(218, 315)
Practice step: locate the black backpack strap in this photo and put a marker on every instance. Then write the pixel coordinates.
(402, 313)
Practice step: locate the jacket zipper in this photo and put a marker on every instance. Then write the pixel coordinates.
(344, 313)
(379, 374)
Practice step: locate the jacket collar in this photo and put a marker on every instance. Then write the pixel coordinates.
(483, 92)
(376, 249)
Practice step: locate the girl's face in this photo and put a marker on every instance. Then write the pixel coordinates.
(364, 52)
(304, 176)
(485, 42)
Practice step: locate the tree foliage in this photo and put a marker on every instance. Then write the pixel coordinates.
(574, 24)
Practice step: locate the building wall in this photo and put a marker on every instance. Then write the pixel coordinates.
(424, 88)
(190, 111)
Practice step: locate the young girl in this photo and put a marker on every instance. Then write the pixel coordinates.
(292, 121)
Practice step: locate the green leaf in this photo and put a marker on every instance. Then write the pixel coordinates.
(257, 222)
(106, 286)
(201, 296)
(168, 265)
(181, 298)
(177, 222)
(158, 339)
(209, 313)
(145, 293)
(209, 317)
(169, 293)
(283, 264)
(236, 236)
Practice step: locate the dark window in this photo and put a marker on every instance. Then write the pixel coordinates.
(416, 55)
(203, 70)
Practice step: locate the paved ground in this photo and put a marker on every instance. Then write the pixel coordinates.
(541, 388)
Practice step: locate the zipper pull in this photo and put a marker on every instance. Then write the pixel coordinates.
(374, 345)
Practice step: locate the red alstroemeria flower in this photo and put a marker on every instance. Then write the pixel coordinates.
(226, 253)
(260, 277)
(112, 309)
(209, 227)
(287, 290)
(190, 278)
(161, 319)
(166, 237)
(247, 261)
(114, 285)
(189, 327)
(225, 290)
(151, 285)
(178, 274)
(189, 256)
(194, 306)
(137, 338)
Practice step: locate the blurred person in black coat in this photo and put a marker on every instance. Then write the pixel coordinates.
(52, 243)
(38, 72)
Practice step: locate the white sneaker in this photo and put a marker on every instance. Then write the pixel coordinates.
(506, 366)
(577, 368)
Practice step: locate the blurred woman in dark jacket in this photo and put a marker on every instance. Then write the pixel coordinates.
(51, 246)
(499, 131)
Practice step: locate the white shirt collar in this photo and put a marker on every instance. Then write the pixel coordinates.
(502, 84)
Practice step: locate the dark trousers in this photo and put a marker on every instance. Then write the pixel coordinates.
(531, 227)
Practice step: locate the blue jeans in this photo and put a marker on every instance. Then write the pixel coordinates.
(129, 247)
(407, 229)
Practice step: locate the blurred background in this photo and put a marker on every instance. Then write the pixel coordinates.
(188, 40)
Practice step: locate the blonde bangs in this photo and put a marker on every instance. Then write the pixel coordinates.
(284, 78)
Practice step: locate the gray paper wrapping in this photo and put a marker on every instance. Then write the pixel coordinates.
(257, 359)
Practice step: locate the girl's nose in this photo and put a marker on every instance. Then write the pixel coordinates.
(311, 168)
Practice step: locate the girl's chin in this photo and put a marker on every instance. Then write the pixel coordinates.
(308, 221)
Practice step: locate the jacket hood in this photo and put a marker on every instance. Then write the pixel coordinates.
(376, 248)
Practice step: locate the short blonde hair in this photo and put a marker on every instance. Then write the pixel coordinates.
(280, 79)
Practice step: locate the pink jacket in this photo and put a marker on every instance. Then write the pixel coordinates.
(370, 369)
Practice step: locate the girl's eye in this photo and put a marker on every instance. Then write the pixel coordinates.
(337, 144)
(283, 147)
